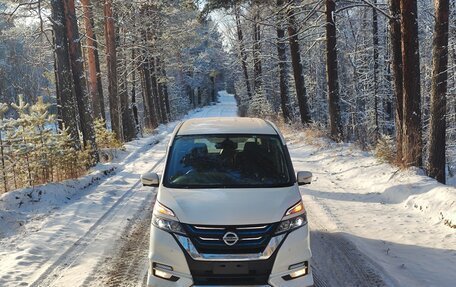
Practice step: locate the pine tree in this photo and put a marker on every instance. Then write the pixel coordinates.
(396, 71)
(93, 65)
(4, 179)
(64, 82)
(22, 147)
(79, 80)
(437, 134)
(282, 63)
(332, 72)
(412, 129)
(111, 61)
(301, 93)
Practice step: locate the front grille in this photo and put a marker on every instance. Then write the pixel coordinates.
(209, 239)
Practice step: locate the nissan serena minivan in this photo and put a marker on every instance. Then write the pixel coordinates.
(228, 209)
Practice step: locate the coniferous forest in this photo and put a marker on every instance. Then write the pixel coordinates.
(80, 77)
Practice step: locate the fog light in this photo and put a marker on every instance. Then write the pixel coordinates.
(299, 273)
(162, 274)
(163, 267)
(297, 270)
(161, 271)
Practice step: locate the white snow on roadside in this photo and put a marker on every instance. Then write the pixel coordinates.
(21, 207)
(398, 218)
(66, 228)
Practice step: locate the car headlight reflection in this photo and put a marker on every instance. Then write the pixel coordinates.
(296, 217)
(291, 224)
(161, 219)
(167, 225)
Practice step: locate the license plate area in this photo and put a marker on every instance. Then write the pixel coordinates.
(231, 268)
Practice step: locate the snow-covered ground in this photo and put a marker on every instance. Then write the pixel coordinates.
(58, 234)
(371, 224)
(399, 219)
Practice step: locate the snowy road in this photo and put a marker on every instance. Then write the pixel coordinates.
(100, 237)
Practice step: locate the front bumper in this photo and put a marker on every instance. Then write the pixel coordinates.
(268, 267)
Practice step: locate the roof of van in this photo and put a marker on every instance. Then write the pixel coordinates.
(226, 125)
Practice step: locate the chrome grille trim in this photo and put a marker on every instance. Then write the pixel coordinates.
(187, 244)
(209, 239)
(208, 228)
(252, 227)
(251, 238)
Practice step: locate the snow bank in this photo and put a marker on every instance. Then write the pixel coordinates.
(17, 206)
(381, 181)
(437, 200)
(31, 205)
(398, 218)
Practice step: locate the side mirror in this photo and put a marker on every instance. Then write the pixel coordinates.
(304, 177)
(150, 179)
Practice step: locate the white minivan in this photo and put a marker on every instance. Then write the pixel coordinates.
(228, 209)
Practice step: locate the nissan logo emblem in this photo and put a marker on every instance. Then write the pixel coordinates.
(230, 238)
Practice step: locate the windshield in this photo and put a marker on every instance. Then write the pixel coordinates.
(227, 161)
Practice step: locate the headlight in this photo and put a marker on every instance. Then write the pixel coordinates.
(291, 224)
(160, 219)
(296, 217)
(167, 225)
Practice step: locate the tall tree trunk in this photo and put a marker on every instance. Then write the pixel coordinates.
(437, 144)
(155, 94)
(165, 91)
(64, 80)
(256, 50)
(133, 89)
(145, 90)
(295, 53)
(2, 156)
(282, 55)
(80, 88)
(396, 70)
(376, 66)
(332, 73)
(161, 90)
(412, 133)
(99, 81)
(111, 62)
(150, 118)
(92, 60)
(243, 55)
(58, 96)
(213, 93)
(127, 116)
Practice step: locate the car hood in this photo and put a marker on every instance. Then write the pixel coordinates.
(240, 206)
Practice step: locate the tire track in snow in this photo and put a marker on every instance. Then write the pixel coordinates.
(128, 266)
(71, 254)
(336, 260)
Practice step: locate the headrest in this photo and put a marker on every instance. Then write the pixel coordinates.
(199, 149)
(250, 146)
